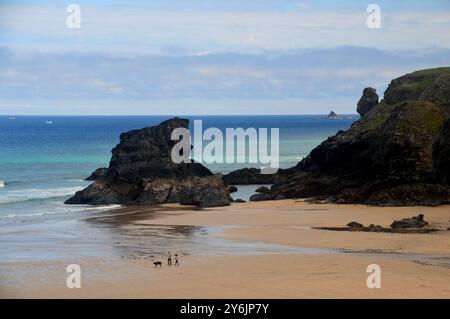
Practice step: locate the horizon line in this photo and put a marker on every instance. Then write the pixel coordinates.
(173, 115)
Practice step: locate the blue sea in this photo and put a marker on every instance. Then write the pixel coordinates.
(44, 159)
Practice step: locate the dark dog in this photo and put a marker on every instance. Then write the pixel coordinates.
(157, 264)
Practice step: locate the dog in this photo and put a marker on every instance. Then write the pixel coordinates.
(157, 264)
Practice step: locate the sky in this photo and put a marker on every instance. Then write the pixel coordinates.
(183, 57)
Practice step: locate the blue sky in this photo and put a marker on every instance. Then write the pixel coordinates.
(211, 57)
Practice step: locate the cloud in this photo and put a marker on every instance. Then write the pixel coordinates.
(226, 56)
(337, 74)
(137, 29)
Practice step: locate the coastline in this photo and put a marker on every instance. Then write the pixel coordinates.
(302, 262)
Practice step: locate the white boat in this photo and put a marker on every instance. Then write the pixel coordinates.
(48, 122)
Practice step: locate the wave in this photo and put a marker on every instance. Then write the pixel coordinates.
(9, 183)
(63, 209)
(29, 194)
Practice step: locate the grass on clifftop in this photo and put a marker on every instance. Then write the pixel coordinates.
(432, 72)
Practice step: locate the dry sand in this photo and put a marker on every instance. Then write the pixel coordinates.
(412, 265)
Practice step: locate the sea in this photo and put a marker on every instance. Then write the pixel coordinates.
(44, 160)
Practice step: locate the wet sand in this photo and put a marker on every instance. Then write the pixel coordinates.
(285, 256)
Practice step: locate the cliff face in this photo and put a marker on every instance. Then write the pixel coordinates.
(396, 154)
(141, 171)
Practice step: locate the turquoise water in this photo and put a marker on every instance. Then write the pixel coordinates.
(43, 163)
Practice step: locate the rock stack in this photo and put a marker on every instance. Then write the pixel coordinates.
(141, 171)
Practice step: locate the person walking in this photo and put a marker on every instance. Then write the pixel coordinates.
(176, 260)
(169, 259)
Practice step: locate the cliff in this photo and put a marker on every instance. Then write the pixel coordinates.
(398, 153)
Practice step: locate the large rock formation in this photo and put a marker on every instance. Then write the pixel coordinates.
(367, 102)
(396, 154)
(141, 171)
(146, 153)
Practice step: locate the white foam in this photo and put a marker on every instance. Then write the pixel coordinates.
(19, 195)
(64, 209)
(2, 184)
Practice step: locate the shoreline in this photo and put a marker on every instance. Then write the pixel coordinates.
(309, 262)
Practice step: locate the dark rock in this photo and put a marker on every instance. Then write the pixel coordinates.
(332, 199)
(261, 197)
(398, 153)
(99, 173)
(262, 189)
(97, 193)
(368, 101)
(232, 189)
(146, 153)
(332, 116)
(205, 192)
(376, 228)
(253, 176)
(413, 222)
(355, 225)
(239, 200)
(141, 172)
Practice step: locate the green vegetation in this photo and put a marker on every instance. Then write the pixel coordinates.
(413, 84)
(431, 72)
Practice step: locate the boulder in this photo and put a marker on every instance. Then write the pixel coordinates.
(413, 222)
(355, 225)
(232, 189)
(262, 189)
(261, 197)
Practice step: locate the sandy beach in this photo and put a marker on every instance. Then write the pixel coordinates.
(290, 259)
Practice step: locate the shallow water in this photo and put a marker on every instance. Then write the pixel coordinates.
(246, 191)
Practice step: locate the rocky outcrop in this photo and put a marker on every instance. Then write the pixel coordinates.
(200, 191)
(355, 225)
(261, 197)
(413, 225)
(413, 222)
(99, 173)
(146, 153)
(141, 172)
(232, 189)
(333, 116)
(396, 154)
(368, 101)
